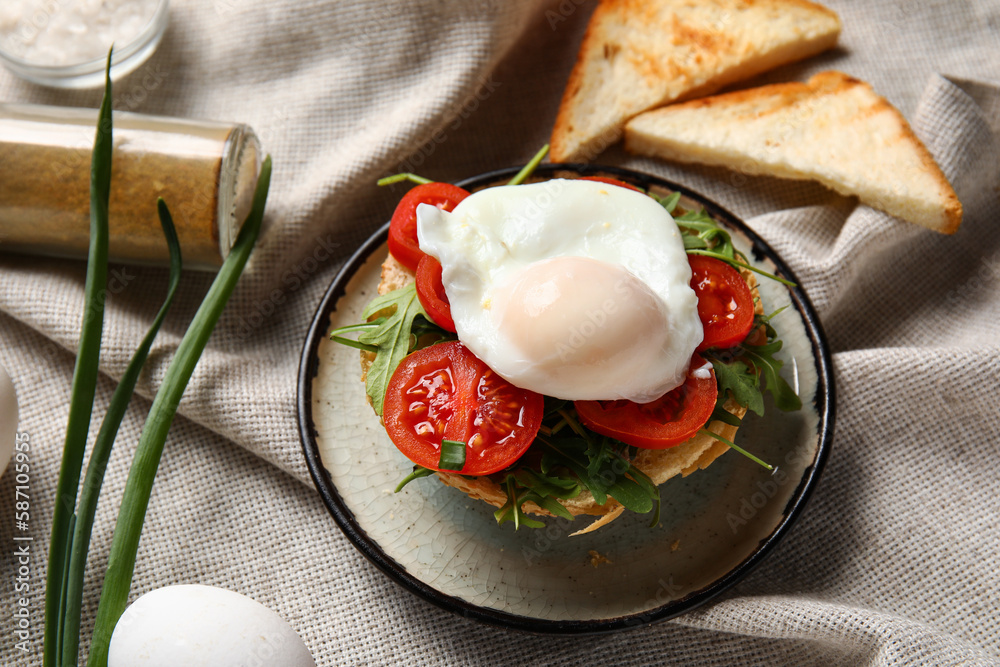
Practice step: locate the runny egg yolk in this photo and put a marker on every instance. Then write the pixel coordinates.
(580, 317)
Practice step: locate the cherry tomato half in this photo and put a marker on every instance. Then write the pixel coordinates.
(665, 422)
(610, 181)
(430, 291)
(444, 392)
(725, 303)
(403, 227)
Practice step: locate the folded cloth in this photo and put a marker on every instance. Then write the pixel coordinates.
(889, 564)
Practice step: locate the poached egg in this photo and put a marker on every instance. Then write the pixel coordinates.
(570, 288)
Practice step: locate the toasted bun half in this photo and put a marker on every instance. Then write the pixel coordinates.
(641, 54)
(833, 129)
(660, 465)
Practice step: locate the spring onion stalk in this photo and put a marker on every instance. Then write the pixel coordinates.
(135, 499)
(529, 168)
(98, 462)
(85, 373)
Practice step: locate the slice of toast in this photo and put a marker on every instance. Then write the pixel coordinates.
(833, 129)
(660, 465)
(641, 54)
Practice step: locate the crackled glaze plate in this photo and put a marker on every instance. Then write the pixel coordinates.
(715, 525)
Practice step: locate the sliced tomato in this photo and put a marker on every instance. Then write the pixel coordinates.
(610, 181)
(725, 303)
(403, 227)
(430, 291)
(665, 422)
(444, 392)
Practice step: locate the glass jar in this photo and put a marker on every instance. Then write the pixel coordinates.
(65, 43)
(204, 171)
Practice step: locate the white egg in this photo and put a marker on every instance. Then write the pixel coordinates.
(203, 626)
(574, 289)
(8, 418)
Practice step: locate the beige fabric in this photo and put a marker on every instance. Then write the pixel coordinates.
(892, 561)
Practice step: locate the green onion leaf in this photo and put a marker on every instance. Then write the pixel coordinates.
(84, 374)
(102, 451)
(452, 455)
(135, 498)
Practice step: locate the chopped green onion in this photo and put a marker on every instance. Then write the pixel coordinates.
(529, 168)
(102, 451)
(135, 498)
(452, 455)
(84, 376)
(399, 178)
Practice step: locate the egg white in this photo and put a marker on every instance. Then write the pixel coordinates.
(574, 289)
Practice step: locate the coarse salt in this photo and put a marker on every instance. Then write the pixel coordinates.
(67, 32)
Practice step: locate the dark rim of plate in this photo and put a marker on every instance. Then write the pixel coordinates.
(342, 514)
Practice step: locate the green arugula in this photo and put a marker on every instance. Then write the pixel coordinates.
(747, 371)
(703, 236)
(400, 324)
(418, 472)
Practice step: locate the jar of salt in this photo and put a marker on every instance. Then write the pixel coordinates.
(64, 43)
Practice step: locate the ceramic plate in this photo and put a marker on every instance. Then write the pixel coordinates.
(715, 525)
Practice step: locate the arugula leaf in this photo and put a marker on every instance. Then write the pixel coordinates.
(741, 380)
(703, 236)
(511, 510)
(405, 176)
(739, 449)
(762, 356)
(601, 468)
(669, 202)
(418, 472)
(391, 336)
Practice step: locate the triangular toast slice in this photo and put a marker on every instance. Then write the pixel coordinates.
(641, 54)
(833, 129)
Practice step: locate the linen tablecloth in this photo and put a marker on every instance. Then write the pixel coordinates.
(893, 561)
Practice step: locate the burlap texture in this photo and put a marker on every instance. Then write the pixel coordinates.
(893, 561)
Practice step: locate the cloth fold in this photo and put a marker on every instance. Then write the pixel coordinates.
(888, 565)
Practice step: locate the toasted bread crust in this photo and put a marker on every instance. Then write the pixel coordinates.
(834, 129)
(640, 54)
(660, 465)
